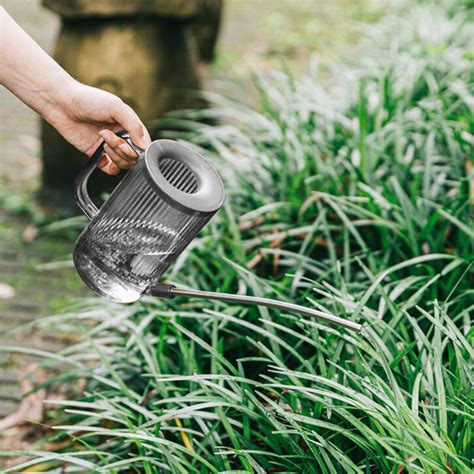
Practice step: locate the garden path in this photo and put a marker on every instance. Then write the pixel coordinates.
(25, 293)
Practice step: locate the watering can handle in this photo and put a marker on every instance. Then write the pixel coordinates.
(83, 199)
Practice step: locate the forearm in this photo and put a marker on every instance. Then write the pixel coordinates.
(83, 115)
(27, 71)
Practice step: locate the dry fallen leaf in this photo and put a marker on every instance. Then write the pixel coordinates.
(30, 233)
(31, 407)
(401, 468)
(6, 292)
(255, 260)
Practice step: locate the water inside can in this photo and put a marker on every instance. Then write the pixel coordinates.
(158, 208)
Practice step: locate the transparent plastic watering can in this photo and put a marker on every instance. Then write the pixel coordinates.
(153, 214)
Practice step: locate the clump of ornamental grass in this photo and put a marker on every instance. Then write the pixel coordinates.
(354, 198)
(217, 389)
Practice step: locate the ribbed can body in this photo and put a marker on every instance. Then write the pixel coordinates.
(138, 233)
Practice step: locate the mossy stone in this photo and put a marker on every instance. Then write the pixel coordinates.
(179, 9)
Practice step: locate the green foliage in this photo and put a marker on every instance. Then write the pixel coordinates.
(355, 199)
(17, 204)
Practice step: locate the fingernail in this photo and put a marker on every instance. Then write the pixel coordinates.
(103, 161)
(141, 143)
(114, 169)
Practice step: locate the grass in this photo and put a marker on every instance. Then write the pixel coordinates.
(354, 198)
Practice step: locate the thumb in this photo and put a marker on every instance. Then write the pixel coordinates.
(126, 117)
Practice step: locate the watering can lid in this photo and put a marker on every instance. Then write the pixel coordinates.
(210, 194)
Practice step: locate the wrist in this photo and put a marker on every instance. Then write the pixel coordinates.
(58, 99)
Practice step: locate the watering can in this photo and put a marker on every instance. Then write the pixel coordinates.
(152, 215)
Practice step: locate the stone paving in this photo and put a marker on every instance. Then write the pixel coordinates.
(19, 143)
(25, 294)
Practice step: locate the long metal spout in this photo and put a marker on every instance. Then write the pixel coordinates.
(169, 291)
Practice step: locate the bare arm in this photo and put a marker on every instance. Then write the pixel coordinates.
(27, 70)
(81, 114)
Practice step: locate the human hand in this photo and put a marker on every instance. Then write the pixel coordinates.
(85, 115)
(81, 114)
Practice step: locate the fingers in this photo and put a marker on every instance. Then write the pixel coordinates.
(124, 115)
(108, 166)
(118, 158)
(118, 150)
(119, 153)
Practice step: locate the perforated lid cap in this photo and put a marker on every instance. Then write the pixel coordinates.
(184, 176)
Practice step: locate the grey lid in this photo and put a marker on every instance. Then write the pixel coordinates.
(207, 196)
